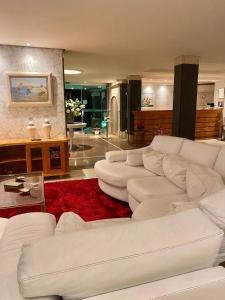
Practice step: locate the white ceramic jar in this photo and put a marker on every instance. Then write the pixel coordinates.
(32, 130)
(46, 129)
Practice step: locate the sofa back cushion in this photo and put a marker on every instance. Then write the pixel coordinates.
(200, 153)
(175, 169)
(220, 163)
(153, 161)
(84, 264)
(202, 181)
(134, 158)
(167, 144)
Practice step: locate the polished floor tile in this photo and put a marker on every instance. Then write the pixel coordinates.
(87, 150)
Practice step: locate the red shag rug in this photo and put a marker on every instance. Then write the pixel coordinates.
(83, 197)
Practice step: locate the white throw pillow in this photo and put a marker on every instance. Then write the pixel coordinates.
(134, 158)
(202, 181)
(70, 222)
(175, 169)
(152, 161)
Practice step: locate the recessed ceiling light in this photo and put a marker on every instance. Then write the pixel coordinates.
(72, 72)
(28, 44)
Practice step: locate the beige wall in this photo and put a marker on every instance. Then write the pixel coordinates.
(163, 95)
(205, 95)
(13, 121)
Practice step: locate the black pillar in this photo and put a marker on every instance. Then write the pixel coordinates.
(133, 101)
(184, 100)
(123, 106)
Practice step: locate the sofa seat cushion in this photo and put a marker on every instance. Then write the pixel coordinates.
(20, 230)
(118, 173)
(117, 257)
(157, 206)
(3, 223)
(144, 188)
(214, 207)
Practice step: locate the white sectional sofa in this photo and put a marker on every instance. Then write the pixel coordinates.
(171, 173)
(111, 259)
(172, 257)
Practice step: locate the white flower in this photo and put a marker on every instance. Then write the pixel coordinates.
(68, 111)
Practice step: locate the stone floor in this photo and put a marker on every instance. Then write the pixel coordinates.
(87, 149)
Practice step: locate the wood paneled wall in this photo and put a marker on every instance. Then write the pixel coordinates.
(153, 122)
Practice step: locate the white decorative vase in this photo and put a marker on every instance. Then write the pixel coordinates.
(32, 130)
(46, 128)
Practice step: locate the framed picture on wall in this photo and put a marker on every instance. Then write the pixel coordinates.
(147, 100)
(29, 88)
(221, 93)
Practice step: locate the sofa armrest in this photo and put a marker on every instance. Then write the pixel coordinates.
(120, 155)
(205, 284)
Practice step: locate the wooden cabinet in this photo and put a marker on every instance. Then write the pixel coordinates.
(24, 156)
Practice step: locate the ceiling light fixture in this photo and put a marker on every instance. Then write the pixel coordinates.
(72, 72)
(28, 44)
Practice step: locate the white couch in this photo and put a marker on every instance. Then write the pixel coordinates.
(150, 195)
(115, 259)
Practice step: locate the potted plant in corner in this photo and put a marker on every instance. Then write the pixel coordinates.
(73, 109)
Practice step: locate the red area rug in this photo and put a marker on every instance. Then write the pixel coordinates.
(83, 197)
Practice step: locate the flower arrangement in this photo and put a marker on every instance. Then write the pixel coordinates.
(74, 107)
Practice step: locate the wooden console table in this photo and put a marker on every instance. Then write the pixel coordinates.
(51, 156)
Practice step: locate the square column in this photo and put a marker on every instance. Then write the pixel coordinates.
(133, 99)
(185, 96)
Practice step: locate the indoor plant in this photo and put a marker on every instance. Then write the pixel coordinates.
(73, 109)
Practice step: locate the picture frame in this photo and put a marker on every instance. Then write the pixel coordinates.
(221, 93)
(29, 89)
(147, 100)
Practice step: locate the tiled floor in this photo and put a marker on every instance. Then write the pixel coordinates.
(87, 149)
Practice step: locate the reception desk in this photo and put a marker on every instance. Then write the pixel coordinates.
(149, 123)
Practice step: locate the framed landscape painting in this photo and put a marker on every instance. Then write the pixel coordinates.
(29, 89)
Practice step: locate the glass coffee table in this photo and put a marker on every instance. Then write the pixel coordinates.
(22, 190)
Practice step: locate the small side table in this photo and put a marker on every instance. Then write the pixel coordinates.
(71, 127)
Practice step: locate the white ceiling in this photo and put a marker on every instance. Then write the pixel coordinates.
(109, 40)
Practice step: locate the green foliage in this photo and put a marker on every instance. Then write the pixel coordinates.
(73, 107)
